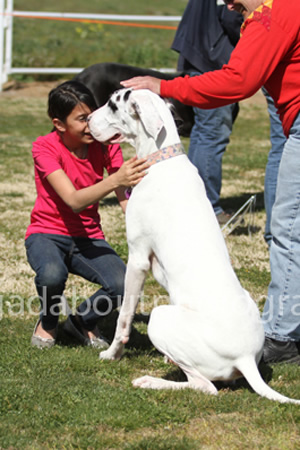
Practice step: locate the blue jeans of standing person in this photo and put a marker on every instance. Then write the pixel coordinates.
(54, 256)
(208, 140)
(278, 141)
(281, 315)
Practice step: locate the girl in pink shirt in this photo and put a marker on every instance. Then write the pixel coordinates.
(65, 234)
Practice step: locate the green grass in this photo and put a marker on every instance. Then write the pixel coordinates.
(50, 43)
(66, 397)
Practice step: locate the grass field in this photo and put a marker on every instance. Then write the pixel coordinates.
(52, 43)
(66, 397)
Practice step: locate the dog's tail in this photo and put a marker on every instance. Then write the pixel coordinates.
(250, 371)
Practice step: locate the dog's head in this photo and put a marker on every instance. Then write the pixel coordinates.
(129, 116)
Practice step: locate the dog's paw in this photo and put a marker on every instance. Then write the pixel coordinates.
(148, 382)
(107, 354)
(111, 355)
(142, 382)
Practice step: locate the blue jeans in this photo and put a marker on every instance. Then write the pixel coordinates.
(281, 315)
(208, 140)
(54, 256)
(278, 141)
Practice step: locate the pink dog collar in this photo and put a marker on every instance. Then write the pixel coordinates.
(161, 155)
(166, 153)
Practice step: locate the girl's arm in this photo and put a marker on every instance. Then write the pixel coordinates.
(122, 198)
(129, 174)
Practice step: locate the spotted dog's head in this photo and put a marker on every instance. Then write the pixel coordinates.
(127, 116)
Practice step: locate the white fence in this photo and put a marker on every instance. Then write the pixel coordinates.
(7, 14)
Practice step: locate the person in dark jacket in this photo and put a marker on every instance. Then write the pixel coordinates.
(205, 38)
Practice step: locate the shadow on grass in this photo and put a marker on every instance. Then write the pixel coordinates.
(107, 327)
(176, 374)
(245, 230)
(236, 202)
(241, 383)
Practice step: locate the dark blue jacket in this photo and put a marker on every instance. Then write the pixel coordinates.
(206, 36)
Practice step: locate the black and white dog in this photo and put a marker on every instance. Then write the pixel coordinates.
(104, 78)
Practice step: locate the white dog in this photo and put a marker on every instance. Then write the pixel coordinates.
(212, 329)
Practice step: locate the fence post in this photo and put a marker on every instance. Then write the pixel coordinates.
(2, 6)
(6, 9)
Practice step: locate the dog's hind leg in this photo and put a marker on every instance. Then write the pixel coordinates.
(158, 272)
(169, 330)
(134, 282)
(200, 383)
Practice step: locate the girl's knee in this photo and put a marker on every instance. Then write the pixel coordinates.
(117, 288)
(51, 276)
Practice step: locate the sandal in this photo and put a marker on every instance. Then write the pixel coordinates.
(39, 341)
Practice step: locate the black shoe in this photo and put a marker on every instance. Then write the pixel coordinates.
(281, 352)
(72, 327)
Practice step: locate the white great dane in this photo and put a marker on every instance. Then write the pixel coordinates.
(212, 328)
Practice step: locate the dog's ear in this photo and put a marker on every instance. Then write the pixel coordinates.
(143, 105)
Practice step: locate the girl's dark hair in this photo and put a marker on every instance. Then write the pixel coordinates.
(63, 99)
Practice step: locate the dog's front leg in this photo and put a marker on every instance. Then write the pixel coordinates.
(134, 283)
(123, 328)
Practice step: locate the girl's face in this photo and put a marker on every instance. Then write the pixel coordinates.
(75, 129)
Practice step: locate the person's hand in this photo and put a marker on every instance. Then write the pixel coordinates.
(132, 171)
(151, 83)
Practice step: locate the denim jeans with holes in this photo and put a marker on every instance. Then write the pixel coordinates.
(54, 256)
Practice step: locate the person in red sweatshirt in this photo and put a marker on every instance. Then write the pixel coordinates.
(268, 54)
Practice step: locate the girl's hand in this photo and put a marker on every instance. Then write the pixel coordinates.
(151, 83)
(132, 171)
(129, 174)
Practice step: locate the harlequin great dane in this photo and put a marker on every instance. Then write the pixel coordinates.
(212, 328)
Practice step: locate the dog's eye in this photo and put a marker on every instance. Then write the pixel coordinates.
(112, 106)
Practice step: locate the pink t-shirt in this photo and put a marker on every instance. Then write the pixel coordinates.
(50, 213)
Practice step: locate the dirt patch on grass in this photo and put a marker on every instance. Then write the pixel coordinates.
(31, 89)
